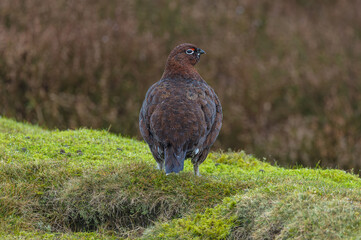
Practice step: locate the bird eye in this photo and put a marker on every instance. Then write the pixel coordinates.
(190, 51)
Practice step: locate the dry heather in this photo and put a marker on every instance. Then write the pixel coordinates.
(287, 72)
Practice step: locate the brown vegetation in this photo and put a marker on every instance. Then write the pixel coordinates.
(287, 72)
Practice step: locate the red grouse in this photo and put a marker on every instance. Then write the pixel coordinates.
(181, 115)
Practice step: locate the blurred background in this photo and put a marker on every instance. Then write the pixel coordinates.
(287, 72)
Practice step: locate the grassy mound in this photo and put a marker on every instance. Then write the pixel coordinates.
(87, 184)
(288, 208)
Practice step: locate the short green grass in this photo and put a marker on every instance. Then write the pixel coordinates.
(89, 184)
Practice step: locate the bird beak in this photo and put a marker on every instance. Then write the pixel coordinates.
(200, 51)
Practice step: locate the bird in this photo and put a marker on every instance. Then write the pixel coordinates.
(181, 115)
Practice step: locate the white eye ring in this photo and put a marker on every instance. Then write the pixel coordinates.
(190, 51)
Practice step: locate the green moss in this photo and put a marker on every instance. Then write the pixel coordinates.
(285, 210)
(134, 195)
(112, 184)
(214, 223)
(84, 184)
(316, 212)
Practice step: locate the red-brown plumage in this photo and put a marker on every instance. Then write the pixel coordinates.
(181, 115)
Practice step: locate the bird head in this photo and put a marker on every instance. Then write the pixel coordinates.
(186, 53)
(181, 61)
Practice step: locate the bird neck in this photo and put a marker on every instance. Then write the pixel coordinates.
(180, 70)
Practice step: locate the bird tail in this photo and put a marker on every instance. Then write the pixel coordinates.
(174, 159)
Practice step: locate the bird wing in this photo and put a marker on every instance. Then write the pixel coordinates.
(145, 114)
(217, 123)
(148, 107)
(214, 123)
(212, 111)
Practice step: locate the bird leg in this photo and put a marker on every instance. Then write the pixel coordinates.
(196, 169)
(198, 160)
(160, 165)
